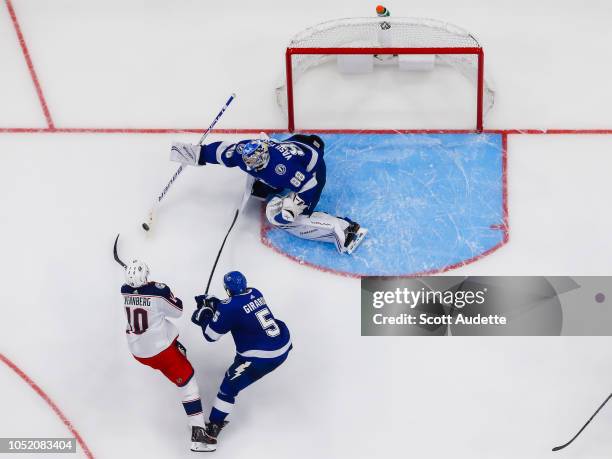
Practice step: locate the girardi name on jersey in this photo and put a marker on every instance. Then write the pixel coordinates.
(256, 303)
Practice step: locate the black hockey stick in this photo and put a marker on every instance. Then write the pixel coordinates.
(212, 272)
(245, 198)
(116, 255)
(557, 448)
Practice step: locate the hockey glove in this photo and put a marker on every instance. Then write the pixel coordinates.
(185, 153)
(285, 210)
(208, 301)
(202, 316)
(206, 307)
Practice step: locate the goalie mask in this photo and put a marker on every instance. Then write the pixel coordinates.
(136, 273)
(255, 154)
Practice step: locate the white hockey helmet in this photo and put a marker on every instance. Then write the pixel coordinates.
(136, 273)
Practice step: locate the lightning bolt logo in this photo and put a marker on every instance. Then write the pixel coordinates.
(240, 369)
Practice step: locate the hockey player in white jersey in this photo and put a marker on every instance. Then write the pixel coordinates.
(290, 175)
(153, 340)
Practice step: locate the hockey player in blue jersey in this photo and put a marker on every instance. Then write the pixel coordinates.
(290, 175)
(262, 343)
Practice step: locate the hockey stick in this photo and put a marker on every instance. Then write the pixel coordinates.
(240, 208)
(116, 255)
(557, 448)
(149, 221)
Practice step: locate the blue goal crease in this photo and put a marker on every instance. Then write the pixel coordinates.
(430, 201)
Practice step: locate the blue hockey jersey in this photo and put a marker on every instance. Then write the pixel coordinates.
(248, 318)
(293, 165)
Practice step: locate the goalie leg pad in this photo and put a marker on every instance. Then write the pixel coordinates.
(319, 226)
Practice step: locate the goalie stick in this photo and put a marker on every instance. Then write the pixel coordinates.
(149, 220)
(557, 448)
(240, 208)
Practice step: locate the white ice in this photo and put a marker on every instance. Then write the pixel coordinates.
(162, 64)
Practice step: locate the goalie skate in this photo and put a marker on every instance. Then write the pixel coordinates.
(354, 238)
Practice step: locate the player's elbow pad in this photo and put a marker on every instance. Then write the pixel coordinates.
(211, 335)
(206, 337)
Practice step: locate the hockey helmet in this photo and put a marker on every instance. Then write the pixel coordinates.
(234, 283)
(255, 154)
(136, 273)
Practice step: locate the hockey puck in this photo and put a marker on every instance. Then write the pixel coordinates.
(145, 227)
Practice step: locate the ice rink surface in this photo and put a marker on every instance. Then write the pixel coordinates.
(159, 64)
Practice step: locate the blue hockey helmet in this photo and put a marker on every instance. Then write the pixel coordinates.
(235, 283)
(255, 154)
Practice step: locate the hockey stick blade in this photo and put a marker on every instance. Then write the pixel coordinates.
(116, 255)
(557, 448)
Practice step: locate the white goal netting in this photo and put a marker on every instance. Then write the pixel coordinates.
(386, 32)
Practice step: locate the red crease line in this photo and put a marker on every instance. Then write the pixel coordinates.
(265, 228)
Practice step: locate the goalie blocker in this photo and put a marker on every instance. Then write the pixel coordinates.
(290, 175)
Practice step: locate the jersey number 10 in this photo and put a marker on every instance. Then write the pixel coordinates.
(268, 323)
(138, 320)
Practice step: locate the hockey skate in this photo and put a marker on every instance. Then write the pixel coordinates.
(211, 433)
(199, 440)
(354, 236)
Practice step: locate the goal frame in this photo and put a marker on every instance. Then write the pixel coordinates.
(477, 51)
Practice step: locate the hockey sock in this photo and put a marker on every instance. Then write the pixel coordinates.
(192, 403)
(222, 407)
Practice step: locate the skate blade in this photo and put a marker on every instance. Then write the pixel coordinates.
(202, 447)
(358, 239)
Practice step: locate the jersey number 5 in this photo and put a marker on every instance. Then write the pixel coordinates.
(138, 320)
(268, 323)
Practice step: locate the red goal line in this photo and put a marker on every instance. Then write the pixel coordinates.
(55, 130)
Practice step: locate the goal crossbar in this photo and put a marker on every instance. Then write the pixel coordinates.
(478, 52)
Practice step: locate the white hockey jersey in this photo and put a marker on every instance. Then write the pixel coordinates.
(147, 308)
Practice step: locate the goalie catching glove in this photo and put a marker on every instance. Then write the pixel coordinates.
(285, 209)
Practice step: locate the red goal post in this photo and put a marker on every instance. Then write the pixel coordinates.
(383, 51)
(444, 43)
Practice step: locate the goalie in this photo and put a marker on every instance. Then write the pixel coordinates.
(289, 175)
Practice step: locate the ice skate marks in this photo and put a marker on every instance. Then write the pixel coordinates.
(431, 202)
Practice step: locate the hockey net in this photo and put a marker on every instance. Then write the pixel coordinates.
(447, 44)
